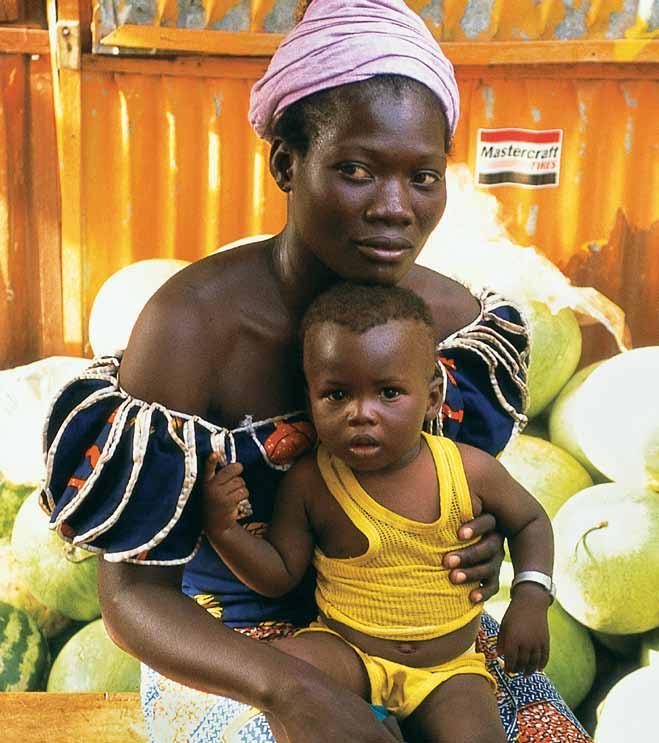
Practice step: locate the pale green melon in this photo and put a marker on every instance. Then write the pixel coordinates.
(550, 474)
(607, 561)
(26, 393)
(14, 592)
(90, 661)
(61, 576)
(12, 496)
(571, 665)
(564, 416)
(628, 712)
(650, 648)
(555, 353)
(122, 297)
(617, 421)
(624, 646)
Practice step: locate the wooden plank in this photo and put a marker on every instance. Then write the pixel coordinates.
(49, 717)
(251, 68)
(23, 40)
(45, 222)
(11, 10)
(231, 68)
(18, 285)
(256, 44)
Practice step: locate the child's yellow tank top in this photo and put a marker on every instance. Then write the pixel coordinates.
(398, 589)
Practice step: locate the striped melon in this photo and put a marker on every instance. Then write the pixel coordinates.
(24, 657)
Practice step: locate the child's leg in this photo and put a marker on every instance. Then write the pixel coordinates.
(461, 710)
(331, 655)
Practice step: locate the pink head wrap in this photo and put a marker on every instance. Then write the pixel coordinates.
(345, 41)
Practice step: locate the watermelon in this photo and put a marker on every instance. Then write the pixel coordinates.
(24, 657)
(12, 591)
(61, 576)
(90, 661)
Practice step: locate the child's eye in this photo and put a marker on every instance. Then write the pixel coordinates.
(336, 395)
(354, 170)
(390, 393)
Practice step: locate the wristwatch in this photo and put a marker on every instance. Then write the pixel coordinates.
(535, 576)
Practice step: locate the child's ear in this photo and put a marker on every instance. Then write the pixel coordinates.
(435, 397)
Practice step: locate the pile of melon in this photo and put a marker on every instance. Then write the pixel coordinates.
(590, 456)
(593, 462)
(51, 636)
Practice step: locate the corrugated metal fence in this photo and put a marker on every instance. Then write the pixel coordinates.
(164, 164)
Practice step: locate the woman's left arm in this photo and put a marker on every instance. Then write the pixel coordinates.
(484, 365)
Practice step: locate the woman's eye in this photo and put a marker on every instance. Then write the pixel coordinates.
(390, 393)
(353, 170)
(427, 178)
(336, 395)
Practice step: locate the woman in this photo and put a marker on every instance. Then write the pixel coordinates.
(212, 366)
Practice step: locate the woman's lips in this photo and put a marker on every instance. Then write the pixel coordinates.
(384, 250)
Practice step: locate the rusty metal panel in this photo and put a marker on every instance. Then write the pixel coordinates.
(172, 169)
(30, 302)
(449, 20)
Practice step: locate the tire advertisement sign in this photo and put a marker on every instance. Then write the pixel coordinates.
(519, 157)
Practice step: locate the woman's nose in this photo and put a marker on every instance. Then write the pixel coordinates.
(391, 203)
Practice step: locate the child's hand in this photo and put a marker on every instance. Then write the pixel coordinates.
(225, 496)
(524, 634)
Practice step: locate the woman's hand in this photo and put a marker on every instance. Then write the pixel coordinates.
(224, 491)
(330, 713)
(478, 563)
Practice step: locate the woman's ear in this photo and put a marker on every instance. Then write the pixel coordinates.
(281, 164)
(435, 397)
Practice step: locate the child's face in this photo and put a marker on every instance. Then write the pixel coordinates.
(370, 393)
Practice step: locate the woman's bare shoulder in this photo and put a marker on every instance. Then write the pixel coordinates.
(173, 350)
(453, 306)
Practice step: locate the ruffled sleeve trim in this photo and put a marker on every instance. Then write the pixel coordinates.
(129, 497)
(499, 337)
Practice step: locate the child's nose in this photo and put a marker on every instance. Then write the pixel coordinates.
(361, 412)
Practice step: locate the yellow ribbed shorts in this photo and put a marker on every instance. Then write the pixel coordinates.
(401, 689)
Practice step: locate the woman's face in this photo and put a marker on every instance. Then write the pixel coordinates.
(371, 188)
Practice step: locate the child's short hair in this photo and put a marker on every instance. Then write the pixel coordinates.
(360, 307)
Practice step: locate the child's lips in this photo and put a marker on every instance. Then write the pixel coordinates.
(363, 444)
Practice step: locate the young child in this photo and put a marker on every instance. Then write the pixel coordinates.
(375, 509)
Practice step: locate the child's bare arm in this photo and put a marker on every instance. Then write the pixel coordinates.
(271, 566)
(524, 635)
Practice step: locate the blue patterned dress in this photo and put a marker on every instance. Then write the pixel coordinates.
(122, 480)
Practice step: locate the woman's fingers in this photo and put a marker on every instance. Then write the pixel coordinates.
(489, 551)
(477, 527)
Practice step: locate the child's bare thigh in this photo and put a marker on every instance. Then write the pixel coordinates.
(461, 710)
(332, 655)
